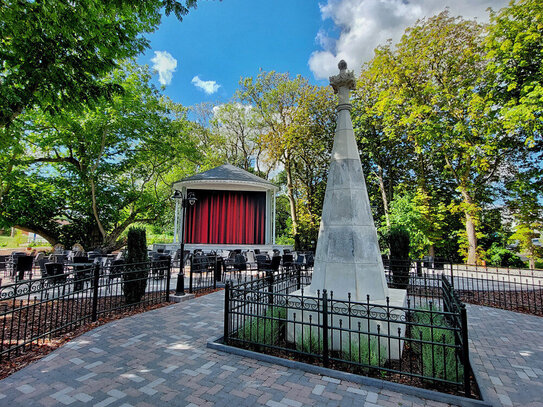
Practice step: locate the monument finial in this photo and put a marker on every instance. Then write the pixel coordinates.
(342, 83)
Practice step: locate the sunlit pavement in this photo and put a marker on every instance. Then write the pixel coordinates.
(160, 358)
(507, 355)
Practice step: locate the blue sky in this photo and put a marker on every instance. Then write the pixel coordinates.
(223, 41)
(202, 58)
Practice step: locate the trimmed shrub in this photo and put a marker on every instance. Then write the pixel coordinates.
(266, 329)
(137, 266)
(398, 242)
(435, 344)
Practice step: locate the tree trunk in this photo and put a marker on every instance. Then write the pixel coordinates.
(380, 177)
(53, 240)
(471, 232)
(432, 251)
(292, 202)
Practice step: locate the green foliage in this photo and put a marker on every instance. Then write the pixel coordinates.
(283, 222)
(438, 361)
(514, 47)
(137, 266)
(499, 256)
(54, 54)
(87, 176)
(365, 352)
(266, 329)
(398, 242)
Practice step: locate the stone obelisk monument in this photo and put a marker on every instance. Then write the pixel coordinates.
(348, 259)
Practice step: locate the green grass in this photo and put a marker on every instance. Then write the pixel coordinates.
(365, 353)
(437, 360)
(309, 342)
(18, 241)
(266, 329)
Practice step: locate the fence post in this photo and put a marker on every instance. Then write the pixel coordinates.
(465, 350)
(452, 275)
(215, 273)
(168, 276)
(269, 277)
(325, 353)
(95, 280)
(298, 277)
(190, 275)
(226, 332)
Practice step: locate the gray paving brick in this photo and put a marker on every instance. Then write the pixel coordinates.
(167, 363)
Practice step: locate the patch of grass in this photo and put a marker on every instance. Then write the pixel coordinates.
(365, 352)
(309, 342)
(438, 357)
(13, 242)
(265, 330)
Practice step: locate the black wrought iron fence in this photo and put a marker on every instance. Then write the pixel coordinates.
(422, 343)
(512, 289)
(34, 311)
(518, 290)
(203, 273)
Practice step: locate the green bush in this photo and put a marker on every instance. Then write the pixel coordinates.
(137, 266)
(266, 329)
(309, 342)
(499, 256)
(398, 242)
(366, 353)
(438, 361)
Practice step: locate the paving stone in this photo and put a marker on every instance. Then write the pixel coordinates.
(509, 370)
(168, 363)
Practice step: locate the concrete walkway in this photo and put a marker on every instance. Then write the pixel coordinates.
(160, 358)
(507, 355)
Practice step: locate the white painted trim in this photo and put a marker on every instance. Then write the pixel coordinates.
(225, 185)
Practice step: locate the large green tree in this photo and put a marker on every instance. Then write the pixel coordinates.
(296, 122)
(54, 53)
(515, 57)
(438, 96)
(86, 175)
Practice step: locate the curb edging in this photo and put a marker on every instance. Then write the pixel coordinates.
(218, 344)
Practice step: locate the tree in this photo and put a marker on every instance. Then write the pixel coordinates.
(437, 95)
(524, 200)
(102, 169)
(515, 57)
(55, 53)
(514, 47)
(386, 155)
(237, 133)
(296, 122)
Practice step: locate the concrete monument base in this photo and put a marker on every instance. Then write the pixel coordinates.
(346, 322)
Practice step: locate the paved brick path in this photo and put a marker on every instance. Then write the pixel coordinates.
(160, 358)
(507, 355)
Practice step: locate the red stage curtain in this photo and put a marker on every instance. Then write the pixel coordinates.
(226, 217)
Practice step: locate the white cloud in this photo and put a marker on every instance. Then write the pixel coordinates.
(365, 24)
(208, 87)
(165, 65)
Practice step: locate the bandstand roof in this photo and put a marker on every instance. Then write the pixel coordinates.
(225, 177)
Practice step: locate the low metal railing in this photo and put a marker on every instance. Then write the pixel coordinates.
(35, 311)
(421, 343)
